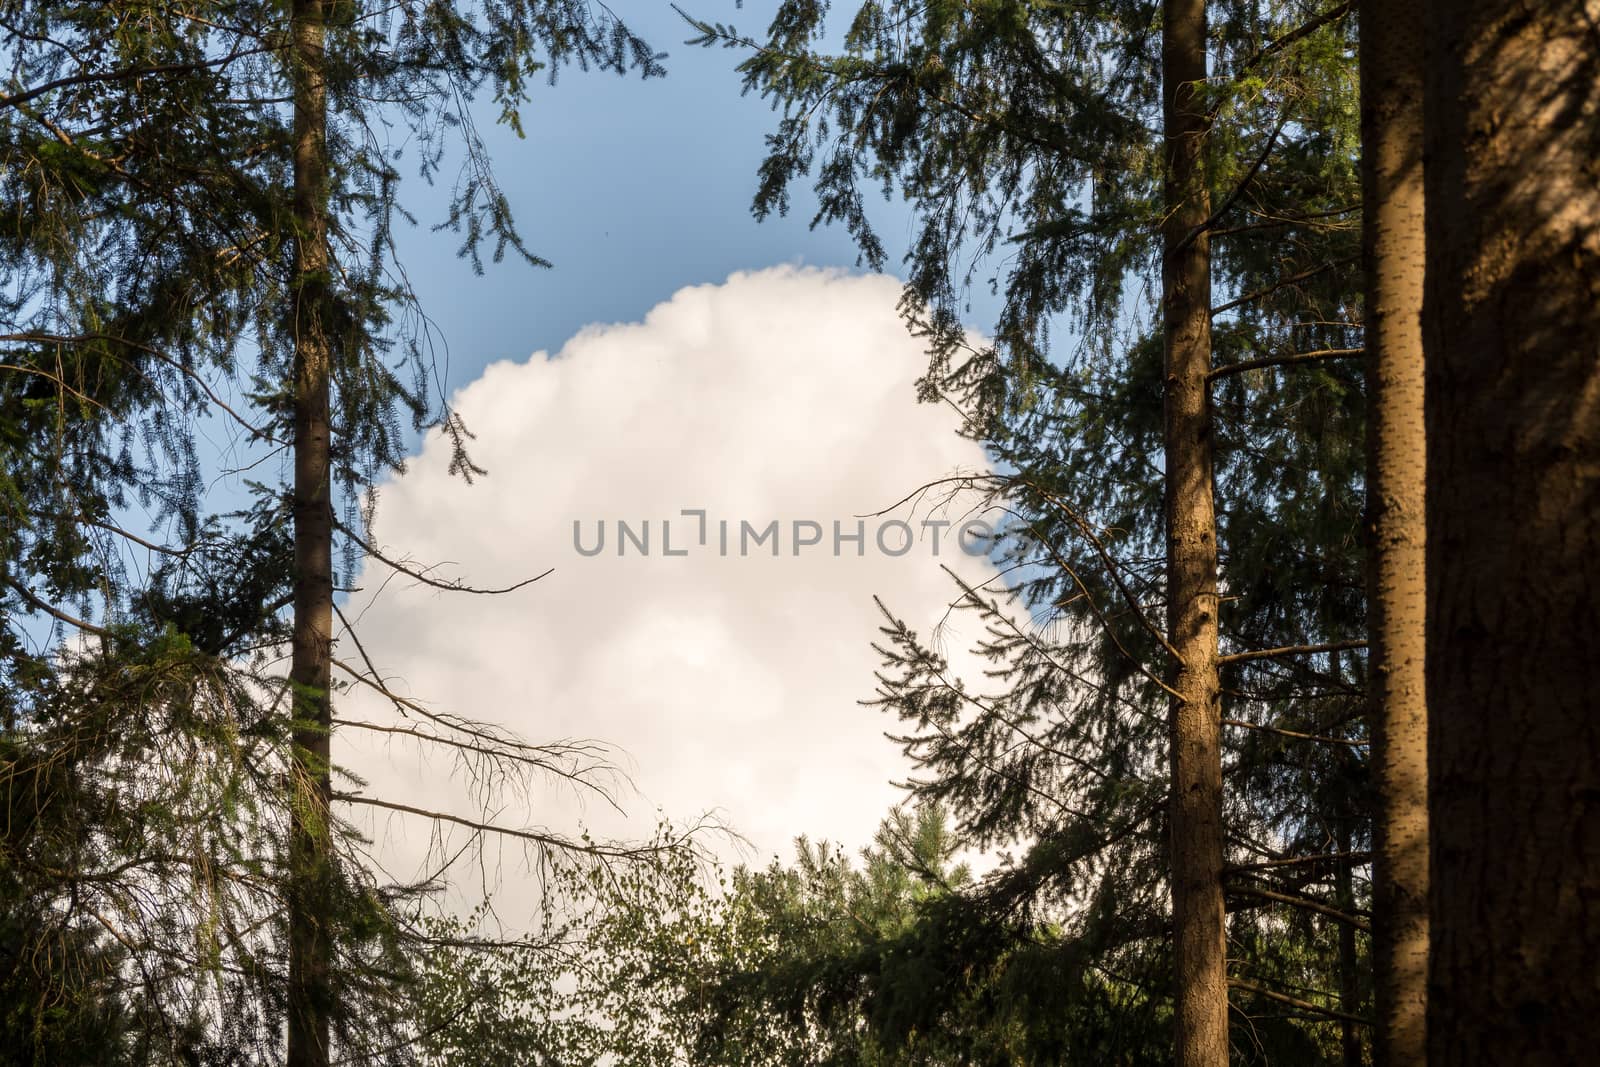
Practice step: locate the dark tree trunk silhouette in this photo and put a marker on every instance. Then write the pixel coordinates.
(310, 850)
(1392, 241)
(1200, 936)
(1512, 333)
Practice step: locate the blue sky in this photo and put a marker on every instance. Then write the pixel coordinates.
(632, 189)
(724, 691)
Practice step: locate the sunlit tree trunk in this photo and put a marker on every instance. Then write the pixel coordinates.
(1392, 241)
(310, 941)
(1196, 724)
(1512, 335)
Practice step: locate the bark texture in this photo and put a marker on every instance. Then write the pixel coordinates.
(1512, 329)
(310, 849)
(1200, 936)
(1393, 250)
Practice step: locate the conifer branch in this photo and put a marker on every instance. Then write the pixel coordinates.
(1110, 564)
(1319, 356)
(1320, 738)
(1299, 861)
(1238, 190)
(547, 841)
(1299, 33)
(449, 585)
(1296, 1002)
(55, 612)
(1292, 650)
(123, 73)
(1284, 283)
(1307, 903)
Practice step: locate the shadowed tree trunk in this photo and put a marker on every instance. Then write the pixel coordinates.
(1512, 332)
(310, 852)
(1349, 966)
(1196, 744)
(1392, 242)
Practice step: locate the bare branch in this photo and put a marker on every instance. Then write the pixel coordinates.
(1293, 650)
(551, 842)
(1302, 902)
(453, 586)
(1282, 284)
(1299, 861)
(1320, 738)
(1319, 356)
(1296, 1002)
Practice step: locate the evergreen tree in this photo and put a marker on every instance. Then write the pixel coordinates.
(1392, 247)
(1038, 129)
(198, 203)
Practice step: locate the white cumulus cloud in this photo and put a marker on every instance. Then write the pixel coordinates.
(730, 681)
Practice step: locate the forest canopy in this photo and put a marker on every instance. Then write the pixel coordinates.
(1275, 324)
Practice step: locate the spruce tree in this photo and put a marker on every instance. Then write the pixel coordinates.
(1038, 131)
(199, 205)
(1392, 247)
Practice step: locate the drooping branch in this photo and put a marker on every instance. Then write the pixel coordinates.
(464, 726)
(549, 841)
(452, 586)
(55, 612)
(1273, 221)
(579, 776)
(1112, 570)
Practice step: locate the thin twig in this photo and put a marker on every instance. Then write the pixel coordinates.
(1320, 738)
(1292, 650)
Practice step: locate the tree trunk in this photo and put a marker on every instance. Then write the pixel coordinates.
(1200, 938)
(310, 848)
(1349, 970)
(1392, 245)
(1512, 333)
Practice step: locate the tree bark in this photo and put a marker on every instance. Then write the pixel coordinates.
(1512, 334)
(1349, 970)
(1392, 246)
(1200, 937)
(310, 992)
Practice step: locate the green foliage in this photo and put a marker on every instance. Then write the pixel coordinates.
(147, 290)
(1027, 137)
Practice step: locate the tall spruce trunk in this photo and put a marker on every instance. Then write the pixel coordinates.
(1200, 937)
(310, 848)
(1392, 246)
(1512, 333)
